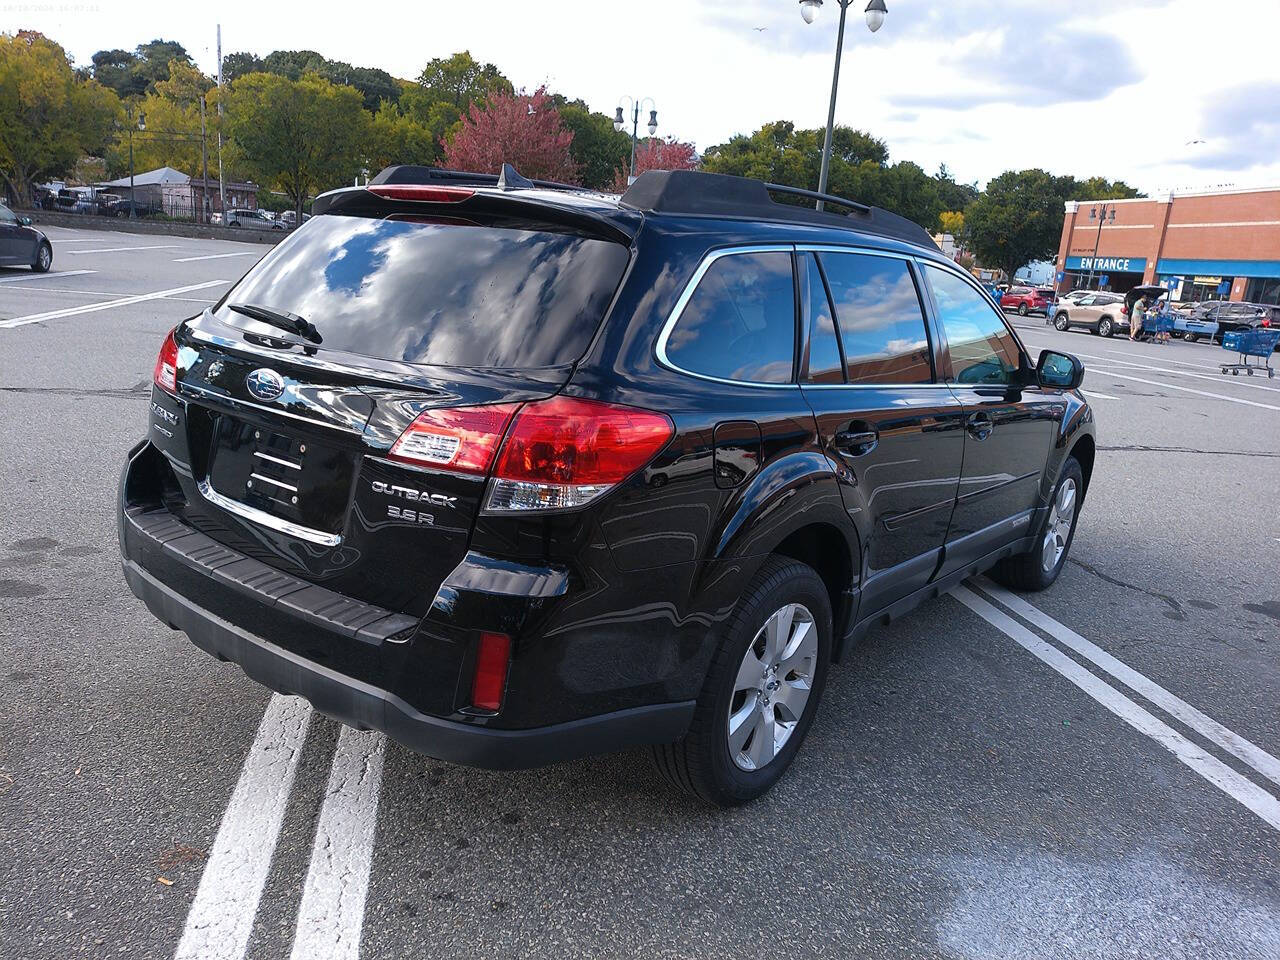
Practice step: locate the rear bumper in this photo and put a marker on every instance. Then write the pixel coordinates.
(366, 707)
(180, 574)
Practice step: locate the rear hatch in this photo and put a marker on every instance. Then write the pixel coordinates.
(294, 437)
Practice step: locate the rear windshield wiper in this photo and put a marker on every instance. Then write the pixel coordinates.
(279, 319)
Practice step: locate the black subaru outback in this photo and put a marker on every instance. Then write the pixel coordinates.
(517, 473)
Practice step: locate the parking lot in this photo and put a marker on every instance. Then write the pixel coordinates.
(1087, 772)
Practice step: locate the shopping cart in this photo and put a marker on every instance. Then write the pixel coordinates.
(1156, 326)
(1259, 343)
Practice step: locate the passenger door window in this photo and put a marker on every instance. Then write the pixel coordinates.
(982, 348)
(740, 323)
(879, 317)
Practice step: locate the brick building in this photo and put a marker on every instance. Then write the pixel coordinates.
(1210, 243)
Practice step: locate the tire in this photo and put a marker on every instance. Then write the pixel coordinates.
(44, 258)
(1061, 321)
(1033, 570)
(1022, 309)
(1105, 327)
(1192, 338)
(705, 763)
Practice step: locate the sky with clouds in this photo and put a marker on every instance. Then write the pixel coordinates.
(1165, 94)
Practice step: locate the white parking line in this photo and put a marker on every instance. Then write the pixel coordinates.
(57, 239)
(1235, 785)
(332, 911)
(1206, 726)
(123, 302)
(1217, 378)
(219, 256)
(157, 246)
(1095, 395)
(1202, 393)
(226, 902)
(45, 276)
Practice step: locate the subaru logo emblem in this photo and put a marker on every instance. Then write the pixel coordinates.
(265, 384)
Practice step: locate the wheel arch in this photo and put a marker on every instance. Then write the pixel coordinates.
(835, 557)
(1084, 450)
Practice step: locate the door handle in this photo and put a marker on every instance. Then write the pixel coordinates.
(979, 426)
(855, 442)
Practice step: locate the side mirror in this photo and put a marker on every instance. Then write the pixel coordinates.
(1060, 371)
(25, 221)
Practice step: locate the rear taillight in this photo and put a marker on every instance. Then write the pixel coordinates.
(558, 453)
(564, 452)
(490, 680)
(165, 374)
(422, 193)
(463, 439)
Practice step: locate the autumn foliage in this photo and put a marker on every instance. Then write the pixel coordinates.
(654, 154)
(521, 129)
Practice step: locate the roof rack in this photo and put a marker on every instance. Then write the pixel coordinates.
(718, 195)
(508, 179)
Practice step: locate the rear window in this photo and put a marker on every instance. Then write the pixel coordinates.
(433, 293)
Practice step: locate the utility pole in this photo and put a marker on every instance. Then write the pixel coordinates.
(222, 184)
(204, 162)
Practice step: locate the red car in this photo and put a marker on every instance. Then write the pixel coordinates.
(1027, 300)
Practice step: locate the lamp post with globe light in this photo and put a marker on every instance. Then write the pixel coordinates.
(142, 125)
(620, 124)
(875, 13)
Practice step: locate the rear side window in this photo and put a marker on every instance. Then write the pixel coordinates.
(740, 322)
(439, 294)
(825, 364)
(981, 346)
(880, 319)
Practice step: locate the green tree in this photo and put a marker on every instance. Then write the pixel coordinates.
(1017, 219)
(1100, 188)
(597, 148)
(301, 136)
(116, 69)
(952, 222)
(461, 80)
(154, 59)
(441, 117)
(49, 117)
(395, 137)
(236, 65)
(952, 195)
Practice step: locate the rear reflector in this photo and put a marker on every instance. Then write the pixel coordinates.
(564, 452)
(165, 374)
(490, 682)
(422, 193)
(462, 438)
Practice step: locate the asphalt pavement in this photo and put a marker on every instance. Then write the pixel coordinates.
(1087, 772)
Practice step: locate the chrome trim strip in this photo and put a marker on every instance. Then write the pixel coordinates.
(284, 463)
(266, 519)
(274, 411)
(279, 483)
(687, 294)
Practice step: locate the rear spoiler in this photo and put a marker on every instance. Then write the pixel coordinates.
(505, 199)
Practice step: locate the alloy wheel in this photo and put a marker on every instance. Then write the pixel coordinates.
(46, 257)
(772, 687)
(1058, 530)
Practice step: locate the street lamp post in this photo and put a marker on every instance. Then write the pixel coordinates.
(875, 13)
(620, 123)
(142, 125)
